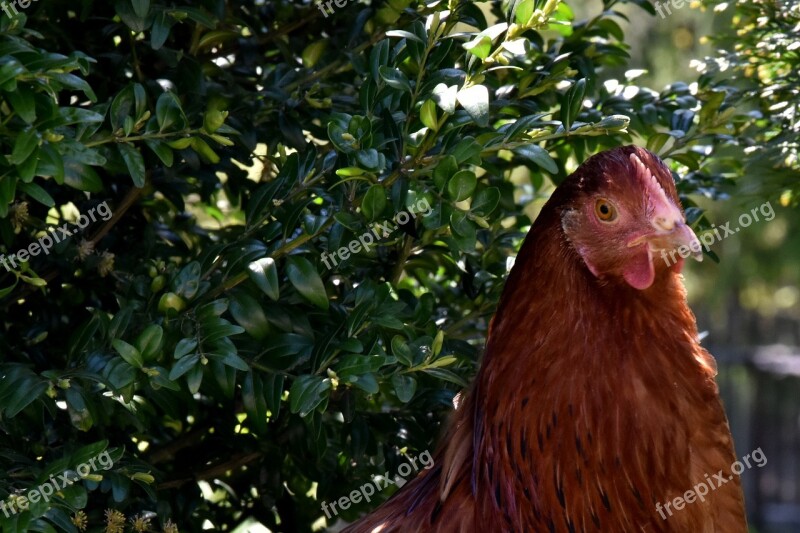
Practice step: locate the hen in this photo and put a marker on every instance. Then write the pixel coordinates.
(594, 401)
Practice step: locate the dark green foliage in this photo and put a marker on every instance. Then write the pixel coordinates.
(200, 334)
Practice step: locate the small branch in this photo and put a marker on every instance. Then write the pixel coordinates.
(213, 471)
(400, 265)
(169, 451)
(122, 208)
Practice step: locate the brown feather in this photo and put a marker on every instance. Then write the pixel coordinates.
(594, 400)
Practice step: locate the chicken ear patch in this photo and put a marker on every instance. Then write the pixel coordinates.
(639, 271)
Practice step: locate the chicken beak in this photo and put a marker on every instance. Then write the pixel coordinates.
(673, 235)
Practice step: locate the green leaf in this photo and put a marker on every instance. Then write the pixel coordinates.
(254, 401)
(148, 343)
(523, 12)
(656, 142)
(404, 387)
(82, 336)
(119, 374)
(37, 193)
(169, 113)
(122, 107)
(402, 351)
(218, 328)
(51, 164)
(442, 361)
(61, 519)
(25, 394)
(304, 277)
(85, 453)
(427, 114)
(134, 161)
(378, 56)
(24, 145)
(188, 282)
(250, 315)
(234, 361)
(444, 374)
(480, 46)
(355, 364)
(475, 100)
(73, 115)
(374, 202)
(395, 78)
(287, 350)
(163, 151)
(446, 168)
(467, 151)
(27, 169)
(485, 201)
(445, 97)
(461, 225)
(307, 393)
(183, 365)
(273, 392)
(438, 342)
(129, 353)
(367, 383)
(161, 379)
(341, 139)
(141, 7)
(74, 82)
(79, 413)
(7, 290)
(8, 188)
(12, 68)
(194, 378)
(205, 151)
(462, 185)
(24, 104)
(371, 159)
(349, 172)
(404, 35)
(185, 347)
(181, 143)
(162, 24)
(539, 155)
(212, 309)
(313, 52)
(200, 16)
(81, 177)
(264, 274)
(128, 15)
(572, 103)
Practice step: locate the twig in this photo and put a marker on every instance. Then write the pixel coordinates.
(214, 471)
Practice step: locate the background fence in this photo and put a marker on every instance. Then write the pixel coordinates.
(761, 390)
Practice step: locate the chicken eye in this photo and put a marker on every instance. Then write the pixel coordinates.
(605, 210)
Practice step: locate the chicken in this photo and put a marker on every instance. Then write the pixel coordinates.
(595, 405)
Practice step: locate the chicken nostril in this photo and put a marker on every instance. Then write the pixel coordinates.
(664, 223)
